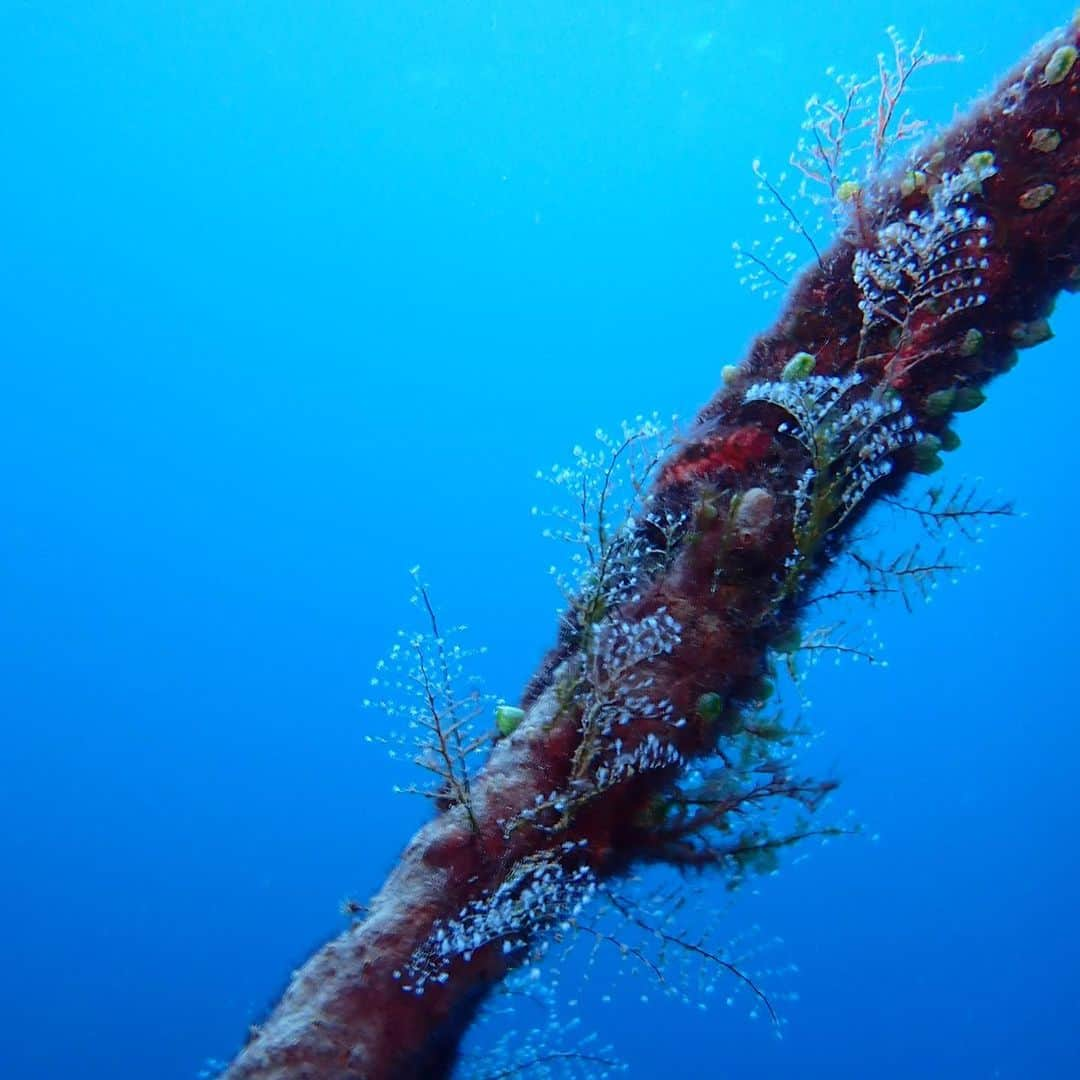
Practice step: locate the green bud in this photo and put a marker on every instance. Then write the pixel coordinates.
(847, 190)
(950, 440)
(1059, 65)
(710, 706)
(1036, 197)
(707, 510)
(507, 718)
(940, 402)
(1025, 335)
(980, 161)
(972, 343)
(798, 367)
(978, 167)
(968, 398)
(926, 464)
(925, 457)
(914, 180)
(1045, 140)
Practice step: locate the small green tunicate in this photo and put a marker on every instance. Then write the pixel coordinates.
(1025, 335)
(729, 373)
(798, 367)
(980, 161)
(847, 190)
(507, 718)
(968, 398)
(978, 167)
(940, 402)
(949, 440)
(972, 343)
(926, 464)
(710, 706)
(1036, 197)
(925, 457)
(1059, 65)
(707, 510)
(914, 180)
(1045, 140)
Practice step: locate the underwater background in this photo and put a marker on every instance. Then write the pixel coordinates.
(297, 295)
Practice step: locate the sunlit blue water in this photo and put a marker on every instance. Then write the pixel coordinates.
(296, 295)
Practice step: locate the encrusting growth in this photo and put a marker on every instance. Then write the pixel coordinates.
(641, 738)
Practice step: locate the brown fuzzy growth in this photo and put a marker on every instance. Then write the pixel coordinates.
(345, 1014)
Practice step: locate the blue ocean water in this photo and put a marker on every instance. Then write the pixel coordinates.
(294, 296)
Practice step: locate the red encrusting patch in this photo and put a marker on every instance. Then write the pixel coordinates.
(743, 447)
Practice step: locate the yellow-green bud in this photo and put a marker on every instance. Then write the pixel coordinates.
(968, 398)
(914, 180)
(710, 706)
(925, 457)
(1059, 65)
(980, 161)
(1024, 335)
(798, 367)
(507, 718)
(978, 167)
(1045, 140)
(940, 402)
(1037, 196)
(972, 343)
